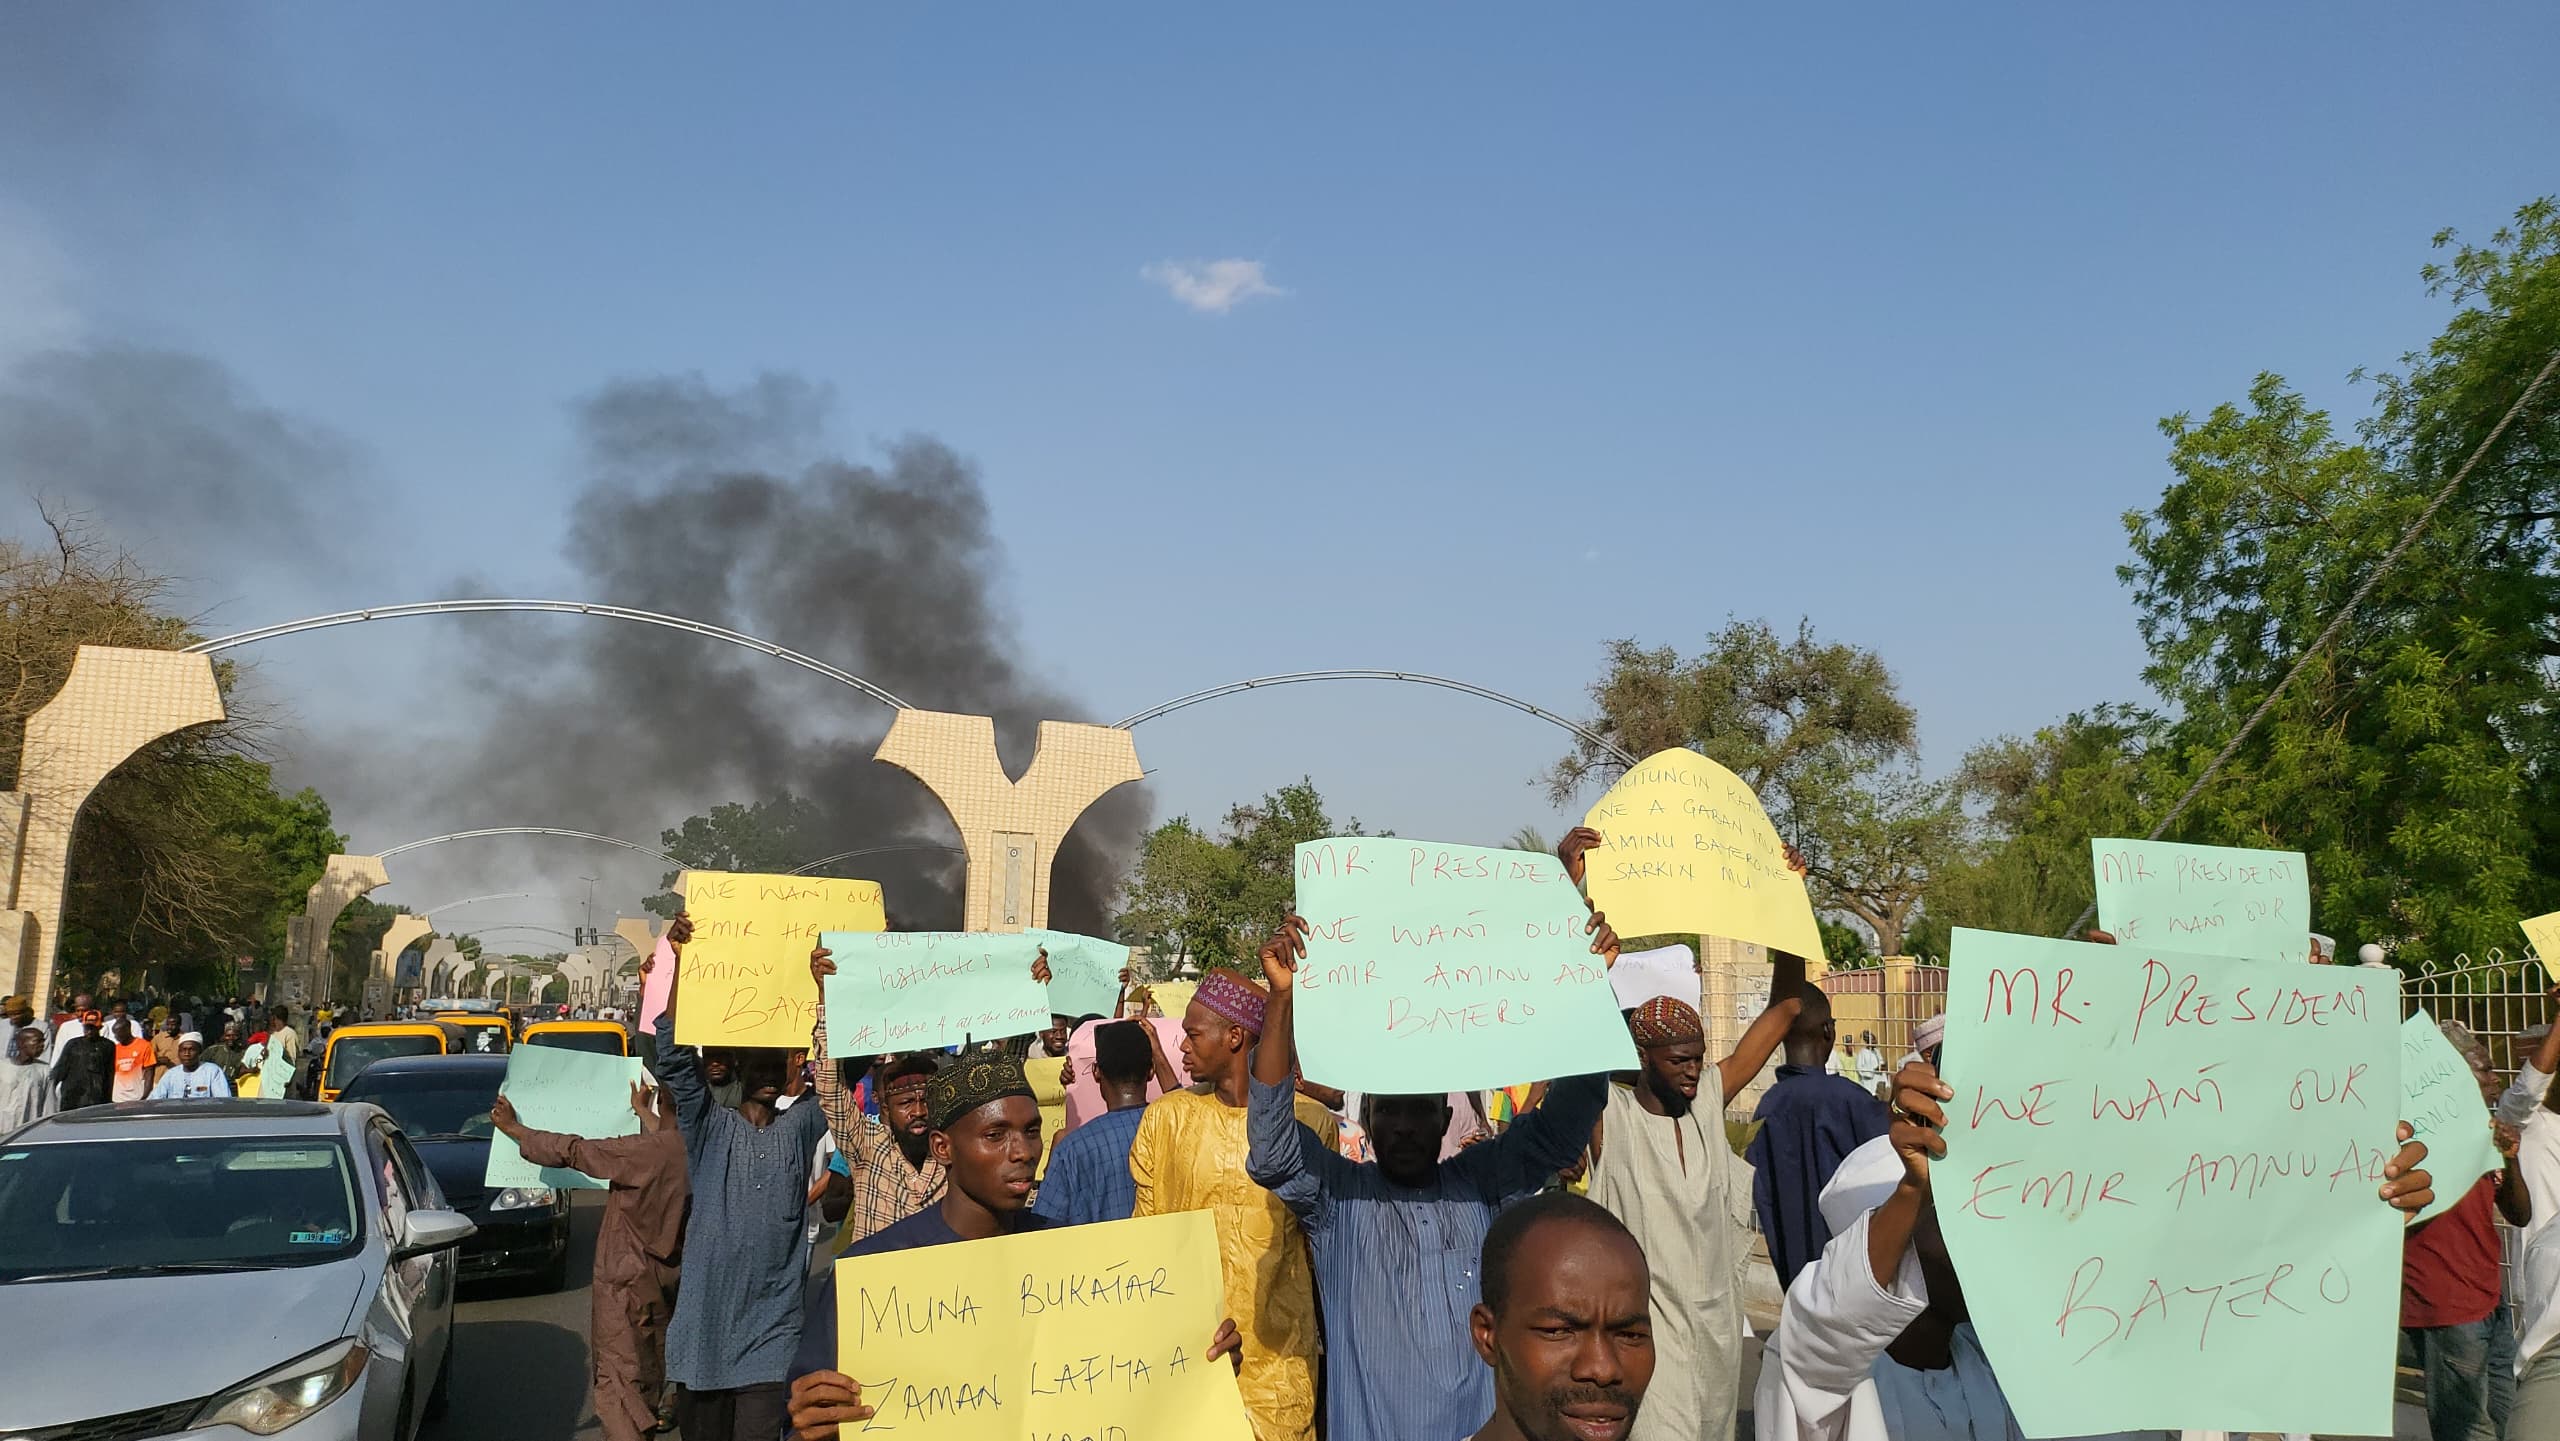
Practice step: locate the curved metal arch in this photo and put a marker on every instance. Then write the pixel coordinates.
(1584, 733)
(423, 843)
(475, 900)
(805, 868)
(554, 607)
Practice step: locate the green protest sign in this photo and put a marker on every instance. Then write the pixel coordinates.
(576, 1093)
(275, 1075)
(2204, 900)
(2160, 1186)
(1084, 973)
(1436, 968)
(2440, 1099)
(923, 990)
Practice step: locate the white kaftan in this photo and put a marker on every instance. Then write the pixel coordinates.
(1674, 1182)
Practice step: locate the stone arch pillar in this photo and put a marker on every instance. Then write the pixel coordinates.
(1011, 829)
(342, 880)
(115, 702)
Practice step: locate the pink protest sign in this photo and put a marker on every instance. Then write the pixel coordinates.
(654, 986)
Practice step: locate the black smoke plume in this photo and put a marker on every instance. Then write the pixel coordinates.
(727, 507)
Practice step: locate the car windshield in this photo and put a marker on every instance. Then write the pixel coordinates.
(438, 1105)
(602, 1043)
(91, 1208)
(351, 1054)
(483, 1037)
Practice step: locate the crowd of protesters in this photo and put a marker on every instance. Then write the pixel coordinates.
(1563, 1260)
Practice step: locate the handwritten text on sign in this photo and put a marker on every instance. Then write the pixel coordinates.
(2440, 1099)
(1435, 968)
(746, 971)
(2160, 1186)
(1075, 1331)
(1084, 973)
(1690, 851)
(923, 990)
(2205, 900)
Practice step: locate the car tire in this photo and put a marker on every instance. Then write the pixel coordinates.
(440, 1400)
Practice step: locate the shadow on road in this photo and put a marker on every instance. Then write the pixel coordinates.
(516, 1379)
(520, 1356)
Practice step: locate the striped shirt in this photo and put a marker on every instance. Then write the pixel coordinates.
(887, 1188)
(1396, 1266)
(1089, 1178)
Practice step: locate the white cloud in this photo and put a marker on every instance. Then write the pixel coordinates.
(1211, 287)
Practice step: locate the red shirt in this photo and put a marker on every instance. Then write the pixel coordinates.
(2449, 1266)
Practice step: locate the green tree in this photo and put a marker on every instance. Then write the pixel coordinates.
(1212, 898)
(773, 834)
(2036, 802)
(1818, 729)
(187, 859)
(2411, 761)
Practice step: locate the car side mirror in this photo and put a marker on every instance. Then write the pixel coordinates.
(425, 1232)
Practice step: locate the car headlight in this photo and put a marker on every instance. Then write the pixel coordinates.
(522, 1198)
(288, 1393)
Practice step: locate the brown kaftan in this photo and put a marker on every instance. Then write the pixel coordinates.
(637, 1249)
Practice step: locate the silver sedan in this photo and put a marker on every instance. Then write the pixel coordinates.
(215, 1268)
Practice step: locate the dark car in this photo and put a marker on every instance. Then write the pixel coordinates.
(442, 1104)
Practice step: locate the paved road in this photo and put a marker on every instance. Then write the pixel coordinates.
(520, 1360)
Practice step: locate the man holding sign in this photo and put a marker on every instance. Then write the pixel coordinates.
(737, 1315)
(1392, 1236)
(638, 1247)
(1190, 1155)
(1661, 1164)
(985, 1129)
(1878, 1339)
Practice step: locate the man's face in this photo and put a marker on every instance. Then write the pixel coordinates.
(760, 1076)
(2490, 1088)
(992, 1152)
(81, 1003)
(1572, 1352)
(715, 1067)
(1207, 1050)
(902, 1111)
(1055, 1038)
(27, 1044)
(1405, 1132)
(231, 1033)
(187, 1052)
(1671, 1070)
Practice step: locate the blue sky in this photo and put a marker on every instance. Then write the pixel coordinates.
(1590, 325)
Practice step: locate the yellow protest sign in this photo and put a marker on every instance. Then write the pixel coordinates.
(2544, 932)
(1074, 1331)
(745, 975)
(1690, 851)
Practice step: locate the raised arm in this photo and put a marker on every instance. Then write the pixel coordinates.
(1770, 1027)
(2533, 1082)
(1542, 1141)
(679, 1069)
(1283, 1157)
(835, 1099)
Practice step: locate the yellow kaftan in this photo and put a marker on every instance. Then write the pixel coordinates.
(1189, 1156)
